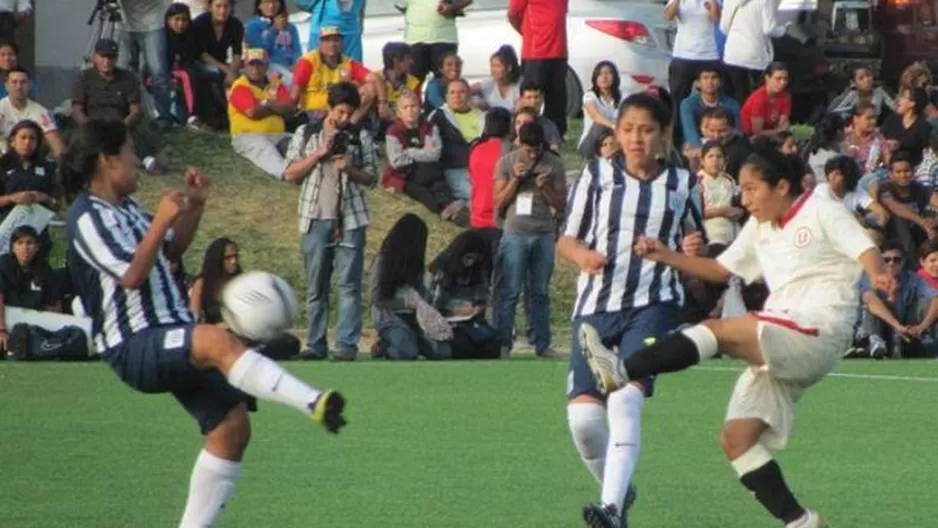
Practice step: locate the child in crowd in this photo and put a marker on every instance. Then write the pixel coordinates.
(928, 260)
(718, 189)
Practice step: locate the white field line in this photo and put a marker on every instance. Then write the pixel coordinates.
(846, 375)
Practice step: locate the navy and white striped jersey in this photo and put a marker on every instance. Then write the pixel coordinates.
(608, 210)
(102, 239)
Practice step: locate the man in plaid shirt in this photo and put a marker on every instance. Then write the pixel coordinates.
(334, 164)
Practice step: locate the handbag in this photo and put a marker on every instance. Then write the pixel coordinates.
(34, 343)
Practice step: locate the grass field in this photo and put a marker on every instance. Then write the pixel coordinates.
(460, 445)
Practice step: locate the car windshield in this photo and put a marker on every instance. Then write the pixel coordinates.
(386, 7)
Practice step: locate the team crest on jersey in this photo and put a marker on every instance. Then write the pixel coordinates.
(803, 237)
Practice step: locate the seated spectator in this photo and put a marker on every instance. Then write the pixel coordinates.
(841, 182)
(220, 264)
(502, 88)
(909, 127)
(928, 262)
(905, 326)
(484, 154)
(9, 59)
(459, 290)
(532, 96)
(600, 107)
(718, 190)
(414, 147)
(927, 171)
(450, 70)
(408, 326)
(326, 66)
(459, 125)
(216, 35)
(271, 30)
(826, 143)
(181, 57)
(396, 77)
(864, 143)
(908, 203)
(863, 89)
(17, 107)
(25, 177)
(767, 110)
(107, 92)
(608, 147)
(716, 124)
(26, 280)
(257, 110)
(708, 94)
(918, 75)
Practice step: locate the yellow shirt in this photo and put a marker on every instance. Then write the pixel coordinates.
(242, 124)
(469, 124)
(411, 84)
(316, 78)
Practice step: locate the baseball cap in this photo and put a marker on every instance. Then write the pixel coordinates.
(106, 47)
(255, 55)
(329, 31)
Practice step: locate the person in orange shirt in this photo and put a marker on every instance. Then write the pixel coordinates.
(257, 110)
(325, 66)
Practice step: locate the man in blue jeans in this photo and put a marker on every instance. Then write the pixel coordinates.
(335, 165)
(142, 34)
(530, 184)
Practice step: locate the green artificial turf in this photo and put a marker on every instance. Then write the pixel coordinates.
(456, 445)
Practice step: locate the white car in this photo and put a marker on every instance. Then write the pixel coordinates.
(631, 33)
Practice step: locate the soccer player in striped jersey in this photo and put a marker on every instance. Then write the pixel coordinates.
(810, 250)
(626, 298)
(119, 258)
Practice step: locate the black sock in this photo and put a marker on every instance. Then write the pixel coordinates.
(668, 354)
(769, 487)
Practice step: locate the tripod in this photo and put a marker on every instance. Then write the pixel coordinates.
(106, 18)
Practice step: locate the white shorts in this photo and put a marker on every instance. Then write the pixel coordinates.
(796, 357)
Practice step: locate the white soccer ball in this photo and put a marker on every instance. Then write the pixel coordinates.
(258, 306)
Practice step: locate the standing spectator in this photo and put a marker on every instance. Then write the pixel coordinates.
(707, 95)
(484, 155)
(257, 110)
(271, 30)
(12, 15)
(530, 183)
(503, 87)
(17, 107)
(334, 170)
(695, 45)
(600, 105)
(767, 110)
(142, 34)
(430, 29)
(459, 125)
(218, 39)
(748, 26)
(543, 28)
(180, 58)
(346, 15)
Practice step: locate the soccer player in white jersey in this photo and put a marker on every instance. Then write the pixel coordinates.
(626, 298)
(811, 252)
(119, 259)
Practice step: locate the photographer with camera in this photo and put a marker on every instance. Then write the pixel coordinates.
(530, 184)
(334, 167)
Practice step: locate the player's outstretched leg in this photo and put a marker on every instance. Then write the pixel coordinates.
(261, 377)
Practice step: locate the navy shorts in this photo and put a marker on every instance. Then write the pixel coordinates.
(156, 360)
(627, 330)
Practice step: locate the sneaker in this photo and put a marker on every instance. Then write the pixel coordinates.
(548, 353)
(327, 409)
(603, 362)
(599, 516)
(307, 354)
(345, 354)
(811, 519)
(878, 348)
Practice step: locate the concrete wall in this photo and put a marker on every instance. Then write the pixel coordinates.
(62, 38)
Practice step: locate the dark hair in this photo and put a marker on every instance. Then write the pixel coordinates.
(709, 67)
(927, 248)
(659, 110)
(601, 138)
(530, 85)
(616, 93)
(861, 108)
(710, 145)
(177, 8)
(857, 69)
(257, 7)
(919, 98)
(18, 69)
(775, 167)
(39, 266)
(892, 245)
(497, 124)
(826, 133)
(394, 52)
(403, 252)
(528, 111)
(900, 156)
(775, 67)
(22, 232)
(507, 56)
(718, 112)
(343, 93)
(847, 167)
(438, 67)
(460, 80)
(532, 135)
(12, 156)
(449, 261)
(10, 44)
(213, 270)
(93, 139)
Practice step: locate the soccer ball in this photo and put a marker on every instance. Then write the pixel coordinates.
(258, 306)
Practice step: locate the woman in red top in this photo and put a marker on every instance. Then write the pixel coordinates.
(768, 109)
(483, 155)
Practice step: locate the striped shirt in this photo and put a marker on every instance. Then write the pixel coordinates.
(608, 210)
(102, 239)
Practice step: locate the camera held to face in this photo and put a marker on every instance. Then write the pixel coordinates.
(343, 139)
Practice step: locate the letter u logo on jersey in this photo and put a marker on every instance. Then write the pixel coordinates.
(803, 237)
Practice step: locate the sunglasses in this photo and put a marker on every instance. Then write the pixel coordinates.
(888, 260)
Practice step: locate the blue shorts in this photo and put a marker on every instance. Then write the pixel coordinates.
(156, 360)
(627, 330)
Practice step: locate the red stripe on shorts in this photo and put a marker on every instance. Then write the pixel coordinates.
(786, 323)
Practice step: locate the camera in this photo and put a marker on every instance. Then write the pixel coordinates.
(343, 139)
(108, 10)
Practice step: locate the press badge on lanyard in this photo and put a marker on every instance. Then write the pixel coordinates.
(524, 205)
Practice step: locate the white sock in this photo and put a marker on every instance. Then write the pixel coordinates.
(211, 484)
(703, 338)
(263, 378)
(587, 423)
(625, 432)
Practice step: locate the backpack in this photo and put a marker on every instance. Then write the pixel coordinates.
(34, 343)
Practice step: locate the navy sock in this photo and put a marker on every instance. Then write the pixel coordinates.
(769, 487)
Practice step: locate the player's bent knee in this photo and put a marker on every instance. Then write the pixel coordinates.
(585, 398)
(215, 347)
(738, 436)
(230, 438)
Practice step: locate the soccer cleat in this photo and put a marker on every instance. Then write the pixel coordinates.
(327, 411)
(609, 372)
(599, 516)
(815, 520)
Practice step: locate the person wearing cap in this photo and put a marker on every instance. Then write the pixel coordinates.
(346, 15)
(317, 70)
(257, 109)
(108, 92)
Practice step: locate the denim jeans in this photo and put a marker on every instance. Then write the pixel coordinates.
(321, 256)
(406, 343)
(524, 259)
(458, 181)
(152, 45)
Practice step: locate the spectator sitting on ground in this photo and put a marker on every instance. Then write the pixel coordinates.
(841, 181)
(26, 280)
(271, 30)
(396, 75)
(908, 202)
(928, 260)
(600, 107)
(180, 58)
(450, 70)
(414, 147)
(927, 171)
(319, 69)
(905, 326)
(107, 92)
(219, 265)
(767, 111)
(532, 96)
(909, 127)
(716, 124)
(863, 89)
(17, 107)
(864, 143)
(27, 178)
(502, 88)
(918, 75)
(257, 110)
(459, 290)
(707, 95)
(399, 308)
(459, 125)
(214, 35)
(9, 59)
(826, 143)
(484, 154)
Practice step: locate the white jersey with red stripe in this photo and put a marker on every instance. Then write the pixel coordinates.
(808, 260)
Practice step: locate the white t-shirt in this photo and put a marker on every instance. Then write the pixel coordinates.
(144, 15)
(718, 192)
(809, 262)
(10, 116)
(695, 39)
(493, 97)
(606, 107)
(817, 160)
(857, 200)
(747, 34)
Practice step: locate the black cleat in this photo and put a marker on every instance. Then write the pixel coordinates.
(599, 516)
